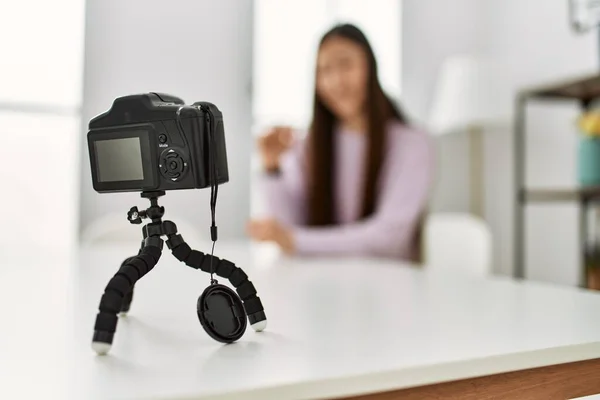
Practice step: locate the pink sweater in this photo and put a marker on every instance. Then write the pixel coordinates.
(403, 192)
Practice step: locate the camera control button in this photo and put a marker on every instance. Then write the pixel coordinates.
(162, 138)
(179, 166)
(172, 165)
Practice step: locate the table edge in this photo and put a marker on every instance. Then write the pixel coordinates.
(405, 378)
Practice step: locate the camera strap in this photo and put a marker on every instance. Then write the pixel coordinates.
(214, 187)
(212, 170)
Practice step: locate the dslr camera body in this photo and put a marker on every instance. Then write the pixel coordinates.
(154, 142)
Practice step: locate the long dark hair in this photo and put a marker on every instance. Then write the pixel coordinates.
(380, 110)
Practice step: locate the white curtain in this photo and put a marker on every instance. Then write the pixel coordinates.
(40, 95)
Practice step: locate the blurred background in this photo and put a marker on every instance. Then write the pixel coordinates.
(455, 66)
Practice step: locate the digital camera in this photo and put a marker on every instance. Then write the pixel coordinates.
(153, 142)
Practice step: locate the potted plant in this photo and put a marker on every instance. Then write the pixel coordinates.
(588, 157)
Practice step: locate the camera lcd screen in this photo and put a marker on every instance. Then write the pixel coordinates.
(119, 160)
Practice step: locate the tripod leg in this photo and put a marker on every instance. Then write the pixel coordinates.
(223, 268)
(118, 288)
(128, 298)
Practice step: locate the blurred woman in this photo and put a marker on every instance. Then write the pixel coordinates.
(359, 183)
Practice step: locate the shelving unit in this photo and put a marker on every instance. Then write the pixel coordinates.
(582, 90)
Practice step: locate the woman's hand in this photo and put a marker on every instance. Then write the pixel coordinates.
(273, 144)
(269, 230)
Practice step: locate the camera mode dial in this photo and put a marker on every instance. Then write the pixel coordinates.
(172, 164)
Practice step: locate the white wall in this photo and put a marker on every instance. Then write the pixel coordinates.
(532, 39)
(194, 49)
(432, 31)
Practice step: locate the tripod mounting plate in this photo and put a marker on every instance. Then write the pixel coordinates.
(153, 194)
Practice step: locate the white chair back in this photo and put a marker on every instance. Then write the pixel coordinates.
(458, 241)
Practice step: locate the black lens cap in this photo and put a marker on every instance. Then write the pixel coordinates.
(221, 313)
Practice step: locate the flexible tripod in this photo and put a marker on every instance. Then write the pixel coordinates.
(221, 312)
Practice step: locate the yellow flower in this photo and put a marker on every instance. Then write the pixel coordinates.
(589, 123)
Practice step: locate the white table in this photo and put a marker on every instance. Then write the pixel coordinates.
(336, 328)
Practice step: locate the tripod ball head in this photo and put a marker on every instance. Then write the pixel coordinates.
(134, 216)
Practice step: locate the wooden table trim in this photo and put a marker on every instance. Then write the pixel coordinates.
(560, 382)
